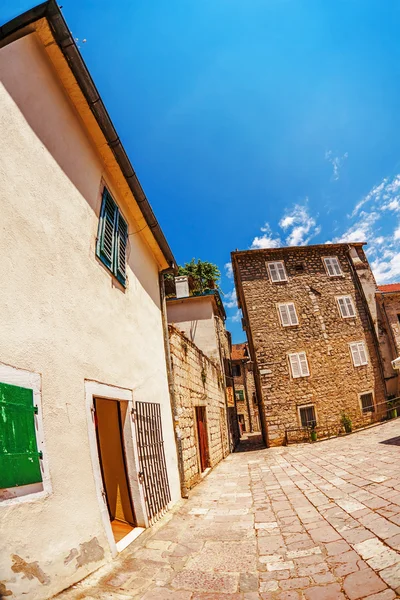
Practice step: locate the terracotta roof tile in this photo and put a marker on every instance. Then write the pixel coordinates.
(390, 287)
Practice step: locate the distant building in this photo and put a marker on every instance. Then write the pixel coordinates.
(315, 335)
(388, 301)
(245, 389)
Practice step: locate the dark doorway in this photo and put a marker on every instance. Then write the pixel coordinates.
(110, 416)
(201, 419)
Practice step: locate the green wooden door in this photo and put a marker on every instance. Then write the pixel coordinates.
(19, 456)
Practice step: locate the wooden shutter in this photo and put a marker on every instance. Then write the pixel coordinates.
(350, 307)
(122, 241)
(362, 353)
(342, 306)
(303, 364)
(281, 271)
(284, 312)
(107, 233)
(307, 416)
(295, 365)
(329, 266)
(292, 314)
(367, 403)
(273, 271)
(355, 354)
(19, 456)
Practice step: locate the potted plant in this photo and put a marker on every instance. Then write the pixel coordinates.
(313, 431)
(347, 424)
(392, 409)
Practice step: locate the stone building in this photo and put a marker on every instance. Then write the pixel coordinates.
(201, 318)
(388, 303)
(245, 389)
(311, 319)
(200, 408)
(83, 374)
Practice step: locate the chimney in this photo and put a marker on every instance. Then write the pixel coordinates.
(182, 287)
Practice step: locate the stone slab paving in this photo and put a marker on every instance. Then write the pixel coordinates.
(306, 522)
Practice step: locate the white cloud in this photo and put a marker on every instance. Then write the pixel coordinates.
(228, 270)
(375, 194)
(386, 270)
(362, 230)
(230, 299)
(336, 162)
(303, 226)
(236, 317)
(267, 240)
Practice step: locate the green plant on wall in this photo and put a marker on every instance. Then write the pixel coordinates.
(203, 274)
(203, 376)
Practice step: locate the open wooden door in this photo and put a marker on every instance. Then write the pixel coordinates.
(202, 437)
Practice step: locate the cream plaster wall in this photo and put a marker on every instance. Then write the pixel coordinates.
(195, 317)
(64, 316)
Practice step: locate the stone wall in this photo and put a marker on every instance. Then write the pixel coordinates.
(245, 383)
(389, 336)
(334, 384)
(197, 382)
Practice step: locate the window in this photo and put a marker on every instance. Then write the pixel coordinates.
(19, 456)
(277, 271)
(346, 307)
(359, 354)
(332, 266)
(398, 318)
(367, 402)
(112, 238)
(299, 365)
(307, 416)
(236, 370)
(239, 395)
(288, 314)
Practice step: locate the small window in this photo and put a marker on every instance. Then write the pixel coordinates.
(307, 416)
(346, 307)
(288, 314)
(398, 318)
(299, 267)
(367, 402)
(236, 372)
(239, 395)
(277, 271)
(112, 238)
(332, 266)
(299, 365)
(359, 354)
(19, 455)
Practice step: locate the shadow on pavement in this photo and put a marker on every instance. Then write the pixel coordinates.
(392, 441)
(250, 442)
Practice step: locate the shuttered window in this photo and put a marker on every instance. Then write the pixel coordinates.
(367, 402)
(277, 271)
(19, 456)
(358, 354)
(239, 395)
(112, 238)
(288, 314)
(299, 365)
(332, 266)
(307, 416)
(346, 307)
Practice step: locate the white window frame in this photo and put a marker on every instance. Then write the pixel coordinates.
(285, 313)
(356, 347)
(345, 299)
(332, 258)
(41, 489)
(309, 405)
(279, 272)
(296, 356)
(373, 402)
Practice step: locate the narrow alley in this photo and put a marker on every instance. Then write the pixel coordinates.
(313, 522)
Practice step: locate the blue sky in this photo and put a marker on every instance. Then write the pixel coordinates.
(254, 123)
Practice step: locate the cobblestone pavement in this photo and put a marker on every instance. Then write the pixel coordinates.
(311, 522)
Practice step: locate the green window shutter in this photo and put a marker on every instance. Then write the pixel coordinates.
(121, 245)
(107, 230)
(19, 456)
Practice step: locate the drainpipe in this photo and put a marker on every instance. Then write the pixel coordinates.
(171, 386)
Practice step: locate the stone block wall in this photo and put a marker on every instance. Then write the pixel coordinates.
(198, 381)
(245, 383)
(334, 384)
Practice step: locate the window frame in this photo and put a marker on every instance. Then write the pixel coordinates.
(234, 369)
(367, 412)
(325, 258)
(34, 491)
(309, 405)
(297, 354)
(239, 399)
(338, 298)
(362, 364)
(286, 304)
(112, 262)
(276, 262)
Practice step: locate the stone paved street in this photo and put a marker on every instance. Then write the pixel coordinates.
(312, 522)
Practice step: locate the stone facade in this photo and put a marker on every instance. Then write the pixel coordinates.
(245, 389)
(334, 384)
(198, 382)
(388, 301)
